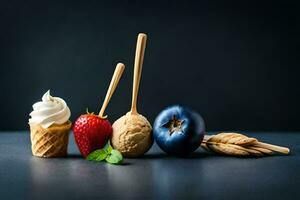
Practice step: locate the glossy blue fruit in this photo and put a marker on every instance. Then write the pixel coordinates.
(178, 130)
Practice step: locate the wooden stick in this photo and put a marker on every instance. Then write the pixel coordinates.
(112, 86)
(272, 147)
(138, 64)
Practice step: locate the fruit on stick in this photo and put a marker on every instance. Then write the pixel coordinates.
(178, 130)
(92, 131)
(132, 132)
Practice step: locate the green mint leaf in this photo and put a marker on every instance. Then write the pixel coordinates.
(97, 155)
(102, 155)
(108, 148)
(93, 155)
(115, 157)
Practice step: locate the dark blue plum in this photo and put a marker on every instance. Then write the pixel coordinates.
(178, 130)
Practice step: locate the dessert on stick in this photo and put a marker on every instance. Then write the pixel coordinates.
(50, 127)
(92, 131)
(132, 132)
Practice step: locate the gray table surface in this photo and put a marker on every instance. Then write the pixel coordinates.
(155, 176)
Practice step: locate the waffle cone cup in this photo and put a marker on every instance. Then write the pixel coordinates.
(50, 142)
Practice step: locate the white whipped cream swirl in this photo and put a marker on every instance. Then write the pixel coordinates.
(51, 110)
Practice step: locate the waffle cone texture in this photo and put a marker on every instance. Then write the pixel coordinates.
(50, 142)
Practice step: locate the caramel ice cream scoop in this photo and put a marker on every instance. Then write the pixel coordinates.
(132, 133)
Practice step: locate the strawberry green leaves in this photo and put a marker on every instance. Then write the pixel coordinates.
(108, 154)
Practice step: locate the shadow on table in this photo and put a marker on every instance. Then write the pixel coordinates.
(78, 156)
(213, 155)
(202, 155)
(195, 155)
(154, 156)
(74, 156)
(198, 155)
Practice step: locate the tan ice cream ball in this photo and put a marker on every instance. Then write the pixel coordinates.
(132, 135)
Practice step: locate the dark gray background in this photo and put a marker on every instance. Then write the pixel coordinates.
(236, 63)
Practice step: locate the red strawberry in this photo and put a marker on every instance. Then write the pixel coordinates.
(91, 132)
